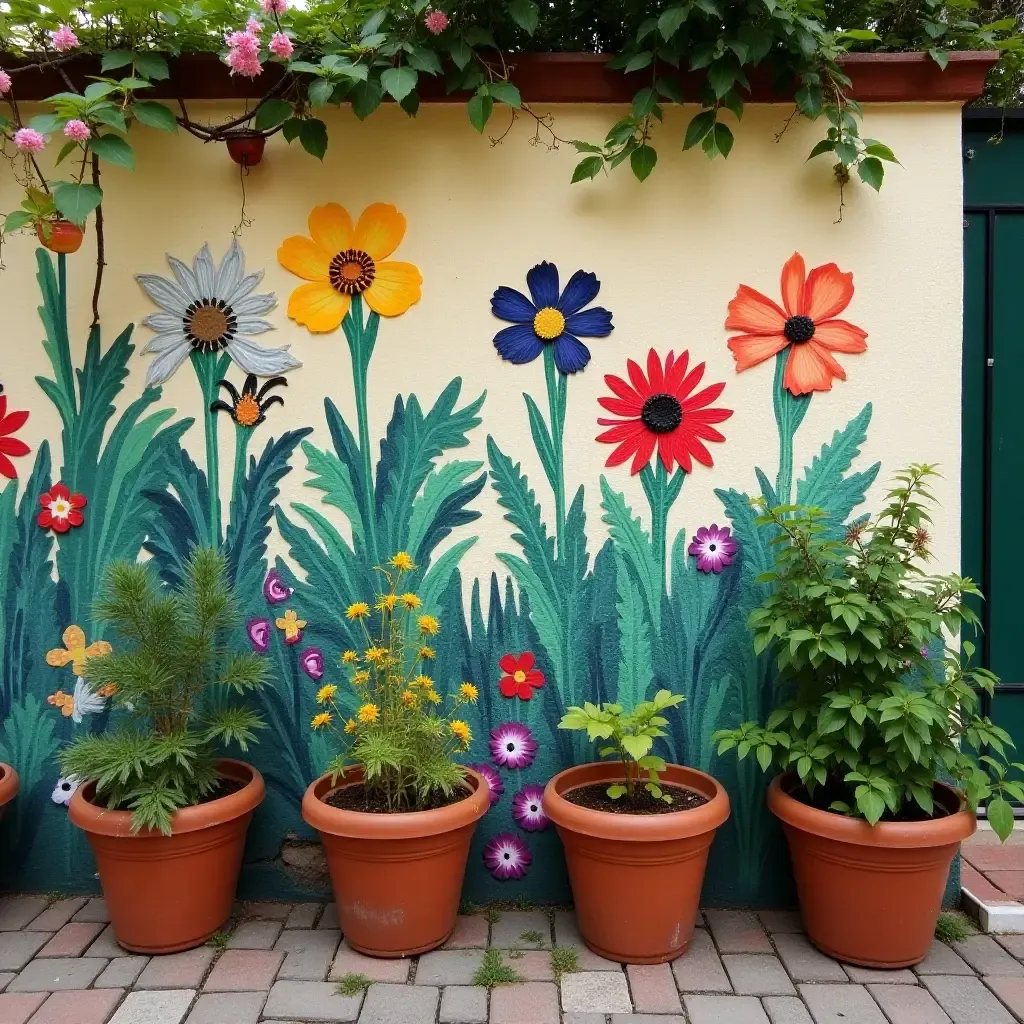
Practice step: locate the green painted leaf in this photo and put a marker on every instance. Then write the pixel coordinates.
(634, 544)
(636, 665)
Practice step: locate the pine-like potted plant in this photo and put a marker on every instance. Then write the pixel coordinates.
(395, 810)
(166, 816)
(635, 825)
(883, 752)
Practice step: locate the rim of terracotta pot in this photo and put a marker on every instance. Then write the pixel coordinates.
(10, 783)
(639, 828)
(94, 818)
(953, 828)
(337, 821)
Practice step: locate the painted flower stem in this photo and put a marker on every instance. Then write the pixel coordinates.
(242, 435)
(209, 369)
(661, 491)
(557, 387)
(789, 413)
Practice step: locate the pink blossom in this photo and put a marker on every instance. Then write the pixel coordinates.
(274, 6)
(28, 140)
(5, 82)
(436, 22)
(245, 42)
(64, 38)
(77, 131)
(244, 53)
(281, 45)
(252, 25)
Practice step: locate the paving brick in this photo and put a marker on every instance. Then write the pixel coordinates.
(121, 972)
(348, 961)
(310, 1001)
(1013, 944)
(986, 956)
(905, 1004)
(653, 988)
(507, 932)
(227, 1008)
(533, 1002)
(449, 967)
(329, 918)
(994, 857)
(57, 914)
(804, 962)
(255, 935)
(244, 970)
(757, 974)
(724, 1010)
(529, 964)
(73, 939)
(57, 973)
(106, 944)
(399, 1004)
(841, 1004)
(464, 1004)
(167, 1007)
(1010, 882)
(16, 1009)
(92, 1007)
(303, 915)
(1010, 992)
(94, 910)
(567, 930)
(966, 1000)
(737, 931)
(978, 885)
(641, 1018)
(942, 960)
(6, 977)
(267, 910)
(308, 953)
(177, 970)
(786, 1010)
(873, 976)
(470, 933)
(594, 1018)
(17, 948)
(699, 969)
(781, 921)
(17, 911)
(596, 992)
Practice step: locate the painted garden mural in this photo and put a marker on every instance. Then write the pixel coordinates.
(573, 610)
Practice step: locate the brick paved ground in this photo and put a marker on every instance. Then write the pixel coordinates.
(59, 964)
(993, 871)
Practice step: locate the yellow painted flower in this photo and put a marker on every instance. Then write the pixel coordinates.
(422, 681)
(402, 561)
(432, 695)
(377, 654)
(461, 731)
(369, 713)
(357, 610)
(322, 719)
(468, 692)
(429, 626)
(386, 602)
(360, 678)
(291, 625)
(408, 698)
(64, 701)
(411, 601)
(427, 652)
(75, 651)
(326, 693)
(340, 261)
(350, 725)
(349, 658)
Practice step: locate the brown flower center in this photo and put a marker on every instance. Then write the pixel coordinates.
(247, 411)
(209, 324)
(351, 272)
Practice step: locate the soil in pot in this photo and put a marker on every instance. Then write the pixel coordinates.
(595, 796)
(358, 797)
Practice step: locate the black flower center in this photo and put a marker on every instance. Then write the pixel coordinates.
(510, 746)
(712, 547)
(506, 855)
(533, 807)
(209, 325)
(661, 413)
(799, 328)
(351, 272)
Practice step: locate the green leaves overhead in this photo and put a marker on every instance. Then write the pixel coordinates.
(75, 202)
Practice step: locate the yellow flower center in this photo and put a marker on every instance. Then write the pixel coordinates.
(351, 272)
(519, 676)
(59, 508)
(549, 323)
(247, 411)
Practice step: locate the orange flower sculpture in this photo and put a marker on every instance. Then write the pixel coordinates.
(340, 261)
(805, 323)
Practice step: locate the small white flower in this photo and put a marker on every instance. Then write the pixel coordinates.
(210, 309)
(65, 788)
(86, 702)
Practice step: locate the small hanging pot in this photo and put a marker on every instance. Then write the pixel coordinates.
(246, 148)
(59, 235)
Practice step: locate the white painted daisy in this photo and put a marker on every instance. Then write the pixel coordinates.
(64, 790)
(210, 309)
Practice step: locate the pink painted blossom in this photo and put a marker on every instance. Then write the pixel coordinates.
(274, 6)
(281, 45)
(5, 82)
(28, 140)
(77, 131)
(253, 26)
(436, 22)
(64, 38)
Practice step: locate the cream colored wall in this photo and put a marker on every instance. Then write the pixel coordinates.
(669, 253)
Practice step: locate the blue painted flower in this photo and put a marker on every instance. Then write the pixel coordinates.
(550, 318)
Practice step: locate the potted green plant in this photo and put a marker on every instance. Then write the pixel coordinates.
(880, 707)
(39, 210)
(395, 811)
(165, 815)
(634, 825)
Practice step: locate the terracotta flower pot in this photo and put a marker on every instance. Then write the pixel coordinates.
(60, 236)
(246, 149)
(636, 878)
(10, 785)
(397, 878)
(168, 893)
(870, 894)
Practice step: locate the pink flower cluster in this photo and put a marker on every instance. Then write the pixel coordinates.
(244, 53)
(274, 6)
(281, 46)
(5, 82)
(63, 38)
(436, 22)
(76, 131)
(28, 140)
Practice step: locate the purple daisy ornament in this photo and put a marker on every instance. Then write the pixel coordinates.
(275, 590)
(312, 662)
(507, 857)
(513, 745)
(259, 634)
(528, 809)
(713, 547)
(494, 784)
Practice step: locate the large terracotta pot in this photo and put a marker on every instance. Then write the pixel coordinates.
(636, 878)
(396, 877)
(10, 785)
(870, 894)
(168, 893)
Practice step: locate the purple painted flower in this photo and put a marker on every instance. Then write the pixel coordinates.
(528, 809)
(713, 547)
(275, 590)
(513, 745)
(507, 856)
(494, 783)
(259, 634)
(312, 662)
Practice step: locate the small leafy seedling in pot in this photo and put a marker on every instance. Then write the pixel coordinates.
(632, 735)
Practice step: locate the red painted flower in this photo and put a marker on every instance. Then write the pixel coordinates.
(520, 678)
(660, 409)
(9, 423)
(804, 322)
(61, 509)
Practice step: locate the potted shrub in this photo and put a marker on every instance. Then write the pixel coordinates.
(879, 709)
(52, 230)
(636, 833)
(395, 811)
(166, 817)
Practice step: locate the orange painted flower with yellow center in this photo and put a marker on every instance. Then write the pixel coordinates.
(340, 260)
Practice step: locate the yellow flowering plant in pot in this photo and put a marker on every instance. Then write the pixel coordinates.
(395, 810)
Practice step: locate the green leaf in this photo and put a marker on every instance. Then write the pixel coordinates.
(399, 82)
(291, 128)
(699, 126)
(425, 60)
(319, 91)
(479, 110)
(461, 53)
(366, 97)
(313, 136)
(113, 59)
(271, 113)
(152, 65)
(525, 14)
(883, 152)
(588, 167)
(637, 746)
(860, 34)
(871, 172)
(616, 791)
(642, 161)
(670, 89)
(1000, 817)
(719, 140)
(505, 92)
(638, 61)
(106, 113)
(130, 84)
(825, 146)
(764, 756)
(17, 219)
(154, 114)
(670, 20)
(941, 57)
(113, 149)
(47, 123)
(76, 202)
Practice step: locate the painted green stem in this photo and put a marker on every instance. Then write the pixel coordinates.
(242, 435)
(557, 393)
(789, 413)
(661, 491)
(208, 370)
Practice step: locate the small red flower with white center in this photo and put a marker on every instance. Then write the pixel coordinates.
(61, 509)
(520, 678)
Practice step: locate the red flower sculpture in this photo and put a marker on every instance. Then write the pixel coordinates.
(61, 509)
(804, 323)
(520, 678)
(660, 410)
(9, 423)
